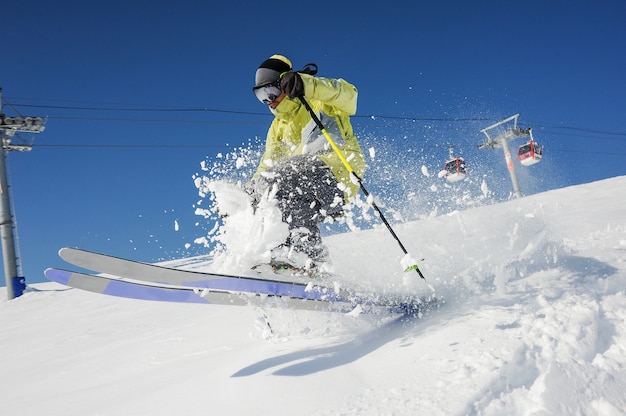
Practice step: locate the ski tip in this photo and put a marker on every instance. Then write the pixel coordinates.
(65, 250)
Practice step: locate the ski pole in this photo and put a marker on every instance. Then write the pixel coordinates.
(351, 171)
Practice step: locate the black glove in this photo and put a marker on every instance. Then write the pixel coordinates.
(291, 84)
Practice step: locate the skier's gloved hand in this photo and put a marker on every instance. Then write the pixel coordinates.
(291, 84)
(251, 189)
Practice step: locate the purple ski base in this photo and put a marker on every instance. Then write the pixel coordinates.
(221, 291)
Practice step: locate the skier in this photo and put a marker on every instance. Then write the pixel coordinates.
(299, 167)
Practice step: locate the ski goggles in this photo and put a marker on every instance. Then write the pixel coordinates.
(268, 93)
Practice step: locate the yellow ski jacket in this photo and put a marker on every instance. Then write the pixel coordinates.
(293, 131)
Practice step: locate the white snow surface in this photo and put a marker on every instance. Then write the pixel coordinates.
(532, 321)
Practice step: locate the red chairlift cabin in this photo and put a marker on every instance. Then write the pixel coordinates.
(455, 168)
(529, 153)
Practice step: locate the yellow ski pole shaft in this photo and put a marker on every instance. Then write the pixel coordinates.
(349, 168)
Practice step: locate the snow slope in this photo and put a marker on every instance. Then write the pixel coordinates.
(533, 323)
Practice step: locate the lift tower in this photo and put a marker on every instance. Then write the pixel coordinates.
(9, 127)
(498, 135)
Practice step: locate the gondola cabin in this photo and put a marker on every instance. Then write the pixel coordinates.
(529, 153)
(455, 169)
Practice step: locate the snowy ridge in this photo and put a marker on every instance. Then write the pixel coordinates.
(534, 323)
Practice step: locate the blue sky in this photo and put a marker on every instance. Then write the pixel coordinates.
(122, 84)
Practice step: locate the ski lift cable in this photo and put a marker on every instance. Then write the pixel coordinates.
(103, 106)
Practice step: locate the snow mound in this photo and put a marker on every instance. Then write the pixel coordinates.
(533, 322)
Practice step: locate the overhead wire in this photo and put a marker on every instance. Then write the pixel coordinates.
(148, 108)
(161, 109)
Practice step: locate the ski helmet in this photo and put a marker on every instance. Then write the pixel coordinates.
(271, 69)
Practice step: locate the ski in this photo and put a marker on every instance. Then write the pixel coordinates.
(138, 280)
(309, 299)
(152, 273)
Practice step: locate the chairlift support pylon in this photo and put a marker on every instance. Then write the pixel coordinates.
(498, 135)
(10, 127)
